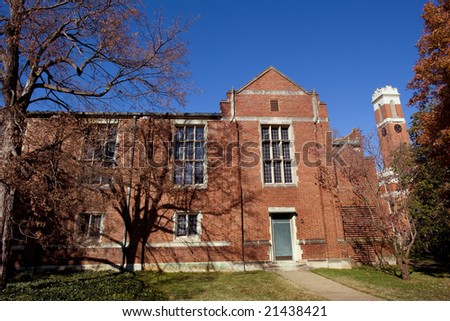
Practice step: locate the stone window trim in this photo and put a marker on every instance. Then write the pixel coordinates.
(187, 226)
(190, 155)
(100, 152)
(277, 155)
(89, 227)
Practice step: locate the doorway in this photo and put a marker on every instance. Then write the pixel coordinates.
(282, 236)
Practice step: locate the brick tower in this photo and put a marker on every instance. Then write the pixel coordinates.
(391, 124)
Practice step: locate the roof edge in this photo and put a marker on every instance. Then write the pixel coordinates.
(124, 115)
(270, 68)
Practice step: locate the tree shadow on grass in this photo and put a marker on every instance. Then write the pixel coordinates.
(432, 268)
(428, 267)
(80, 286)
(184, 286)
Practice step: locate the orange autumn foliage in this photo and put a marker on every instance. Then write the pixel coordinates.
(431, 83)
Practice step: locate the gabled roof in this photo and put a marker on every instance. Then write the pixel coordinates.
(262, 74)
(352, 139)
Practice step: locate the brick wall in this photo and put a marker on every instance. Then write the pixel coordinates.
(235, 204)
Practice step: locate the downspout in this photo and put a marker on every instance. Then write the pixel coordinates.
(316, 122)
(241, 196)
(127, 218)
(241, 191)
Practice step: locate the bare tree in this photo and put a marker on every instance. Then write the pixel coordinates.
(376, 220)
(67, 54)
(48, 183)
(143, 193)
(161, 175)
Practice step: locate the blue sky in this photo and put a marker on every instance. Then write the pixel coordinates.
(343, 49)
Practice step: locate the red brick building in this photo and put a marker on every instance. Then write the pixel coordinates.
(255, 186)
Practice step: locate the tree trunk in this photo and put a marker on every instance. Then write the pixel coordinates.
(404, 270)
(132, 250)
(13, 123)
(6, 204)
(12, 141)
(403, 265)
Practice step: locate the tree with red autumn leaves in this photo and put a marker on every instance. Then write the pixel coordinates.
(431, 83)
(430, 133)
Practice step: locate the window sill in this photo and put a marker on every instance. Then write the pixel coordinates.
(283, 185)
(187, 239)
(193, 186)
(88, 242)
(97, 185)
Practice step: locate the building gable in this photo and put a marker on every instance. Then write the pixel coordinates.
(271, 81)
(272, 94)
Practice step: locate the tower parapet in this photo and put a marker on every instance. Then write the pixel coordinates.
(385, 95)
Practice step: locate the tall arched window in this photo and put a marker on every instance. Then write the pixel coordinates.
(382, 113)
(393, 110)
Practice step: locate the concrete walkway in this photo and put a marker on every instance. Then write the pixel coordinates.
(326, 288)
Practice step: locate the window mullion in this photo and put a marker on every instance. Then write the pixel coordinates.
(272, 166)
(280, 150)
(183, 163)
(277, 154)
(192, 158)
(184, 144)
(186, 225)
(89, 226)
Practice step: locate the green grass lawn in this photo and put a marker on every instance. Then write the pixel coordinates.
(425, 284)
(154, 286)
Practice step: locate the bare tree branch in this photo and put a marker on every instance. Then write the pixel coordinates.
(73, 55)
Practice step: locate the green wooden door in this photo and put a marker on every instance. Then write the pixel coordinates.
(282, 238)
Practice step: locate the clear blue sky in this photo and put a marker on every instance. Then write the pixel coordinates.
(344, 49)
